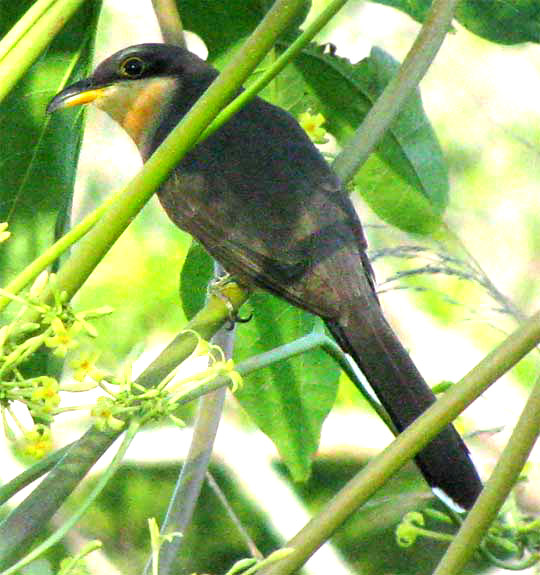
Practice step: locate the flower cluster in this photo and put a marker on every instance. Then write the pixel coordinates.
(52, 323)
(511, 543)
(133, 400)
(37, 324)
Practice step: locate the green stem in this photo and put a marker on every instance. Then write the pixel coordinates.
(496, 490)
(391, 101)
(52, 253)
(21, 527)
(241, 529)
(26, 50)
(21, 28)
(61, 532)
(29, 475)
(195, 468)
(188, 488)
(434, 535)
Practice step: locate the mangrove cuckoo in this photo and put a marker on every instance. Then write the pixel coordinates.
(262, 200)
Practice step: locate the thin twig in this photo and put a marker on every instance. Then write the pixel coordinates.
(250, 544)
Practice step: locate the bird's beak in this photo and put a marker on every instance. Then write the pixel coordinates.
(82, 92)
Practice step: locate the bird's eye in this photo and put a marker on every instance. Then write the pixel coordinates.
(132, 67)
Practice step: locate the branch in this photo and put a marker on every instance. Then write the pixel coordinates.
(195, 468)
(170, 22)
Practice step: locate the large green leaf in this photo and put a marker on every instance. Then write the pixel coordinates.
(406, 183)
(39, 159)
(290, 399)
(502, 21)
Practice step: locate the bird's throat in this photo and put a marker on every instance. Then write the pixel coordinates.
(138, 106)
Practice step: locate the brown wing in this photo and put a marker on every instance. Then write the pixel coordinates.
(273, 217)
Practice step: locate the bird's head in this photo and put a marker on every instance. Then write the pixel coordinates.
(135, 85)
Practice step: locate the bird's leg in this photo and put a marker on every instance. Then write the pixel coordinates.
(215, 288)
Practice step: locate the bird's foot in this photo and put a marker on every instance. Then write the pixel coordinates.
(216, 288)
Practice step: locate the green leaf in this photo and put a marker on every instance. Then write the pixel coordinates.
(394, 200)
(40, 153)
(501, 21)
(290, 399)
(417, 9)
(409, 169)
(197, 272)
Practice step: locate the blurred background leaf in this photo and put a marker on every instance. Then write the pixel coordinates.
(225, 25)
(39, 163)
(501, 21)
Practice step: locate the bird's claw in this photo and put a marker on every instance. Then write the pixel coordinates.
(215, 288)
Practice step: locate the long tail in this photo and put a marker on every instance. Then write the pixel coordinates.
(367, 337)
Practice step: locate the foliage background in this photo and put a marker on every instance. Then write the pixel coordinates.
(481, 100)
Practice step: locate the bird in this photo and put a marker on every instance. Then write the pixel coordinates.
(263, 201)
